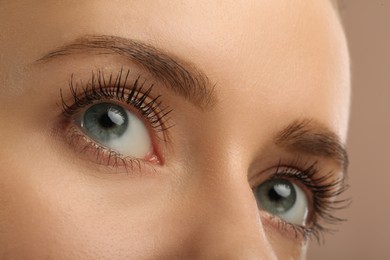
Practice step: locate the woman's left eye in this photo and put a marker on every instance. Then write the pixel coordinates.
(282, 198)
(116, 128)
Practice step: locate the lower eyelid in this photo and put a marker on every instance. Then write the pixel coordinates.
(89, 150)
(289, 231)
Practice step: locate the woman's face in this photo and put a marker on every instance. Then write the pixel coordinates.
(245, 166)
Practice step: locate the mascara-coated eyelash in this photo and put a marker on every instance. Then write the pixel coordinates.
(322, 191)
(100, 88)
(103, 106)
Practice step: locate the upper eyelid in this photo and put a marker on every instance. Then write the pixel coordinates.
(101, 88)
(307, 136)
(312, 174)
(181, 77)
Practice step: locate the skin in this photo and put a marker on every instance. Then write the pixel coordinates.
(271, 62)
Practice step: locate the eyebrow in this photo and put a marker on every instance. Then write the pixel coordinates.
(310, 137)
(181, 77)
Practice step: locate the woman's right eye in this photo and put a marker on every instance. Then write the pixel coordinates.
(113, 122)
(116, 128)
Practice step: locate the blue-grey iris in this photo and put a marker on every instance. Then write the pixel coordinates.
(105, 122)
(276, 196)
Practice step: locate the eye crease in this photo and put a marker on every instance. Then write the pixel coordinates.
(182, 77)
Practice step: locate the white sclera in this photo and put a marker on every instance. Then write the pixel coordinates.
(134, 142)
(298, 213)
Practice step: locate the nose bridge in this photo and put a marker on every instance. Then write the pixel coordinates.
(227, 216)
(230, 226)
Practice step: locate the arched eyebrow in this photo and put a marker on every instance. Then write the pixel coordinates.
(310, 137)
(181, 77)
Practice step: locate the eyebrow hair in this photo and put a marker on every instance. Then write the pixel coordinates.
(181, 77)
(310, 137)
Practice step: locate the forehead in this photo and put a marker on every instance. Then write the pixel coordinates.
(269, 56)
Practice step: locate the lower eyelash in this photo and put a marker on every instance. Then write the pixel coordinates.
(324, 190)
(102, 154)
(287, 228)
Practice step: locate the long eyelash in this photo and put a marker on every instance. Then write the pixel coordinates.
(323, 190)
(100, 87)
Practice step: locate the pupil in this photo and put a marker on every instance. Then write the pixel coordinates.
(279, 192)
(105, 121)
(274, 195)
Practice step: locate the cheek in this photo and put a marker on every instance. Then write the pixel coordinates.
(51, 206)
(24, 215)
(286, 246)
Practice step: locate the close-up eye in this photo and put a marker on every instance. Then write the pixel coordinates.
(116, 128)
(284, 199)
(114, 122)
(301, 201)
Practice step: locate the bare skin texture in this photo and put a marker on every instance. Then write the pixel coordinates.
(234, 74)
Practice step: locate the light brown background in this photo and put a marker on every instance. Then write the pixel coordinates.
(367, 233)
